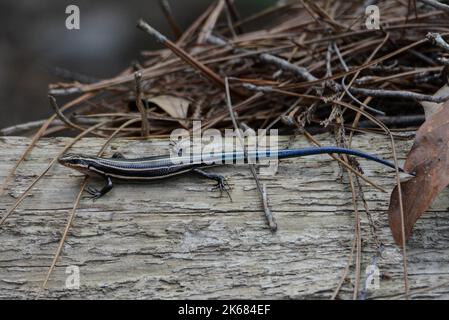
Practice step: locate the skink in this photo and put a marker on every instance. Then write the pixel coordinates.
(158, 167)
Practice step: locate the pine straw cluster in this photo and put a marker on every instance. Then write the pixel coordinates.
(304, 64)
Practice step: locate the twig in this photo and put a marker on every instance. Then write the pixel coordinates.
(401, 210)
(300, 72)
(400, 94)
(345, 272)
(366, 65)
(358, 236)
(268, 215)
(73, 76)
(66, 231)
(210, 22)
(437, 39)
(229, 22)
(348, 88)
(63, 118)
(402, 120)
(235, 16)
(64, 91)
(369, 216)
(211, 75)
(368, 99)
(23, 127)
(368, 92)
(436, 4)
(140, 106)
(166, 9)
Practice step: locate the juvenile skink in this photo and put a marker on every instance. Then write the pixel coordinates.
(158, 167)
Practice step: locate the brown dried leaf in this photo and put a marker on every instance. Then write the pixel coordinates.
(174, 106)
(429, 159)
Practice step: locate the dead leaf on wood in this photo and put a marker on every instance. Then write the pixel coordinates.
(429, 159)
(174, 106)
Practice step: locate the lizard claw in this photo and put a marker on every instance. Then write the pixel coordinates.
(94, 193)
(223, 185)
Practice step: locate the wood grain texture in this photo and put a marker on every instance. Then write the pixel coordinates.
(178, 239)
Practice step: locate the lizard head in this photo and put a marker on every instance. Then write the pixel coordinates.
(75, 161)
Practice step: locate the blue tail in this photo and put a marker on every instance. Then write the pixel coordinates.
(292, 153)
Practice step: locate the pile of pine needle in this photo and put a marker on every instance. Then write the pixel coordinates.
(305, 65)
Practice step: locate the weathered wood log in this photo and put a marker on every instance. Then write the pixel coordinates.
(178, 239)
